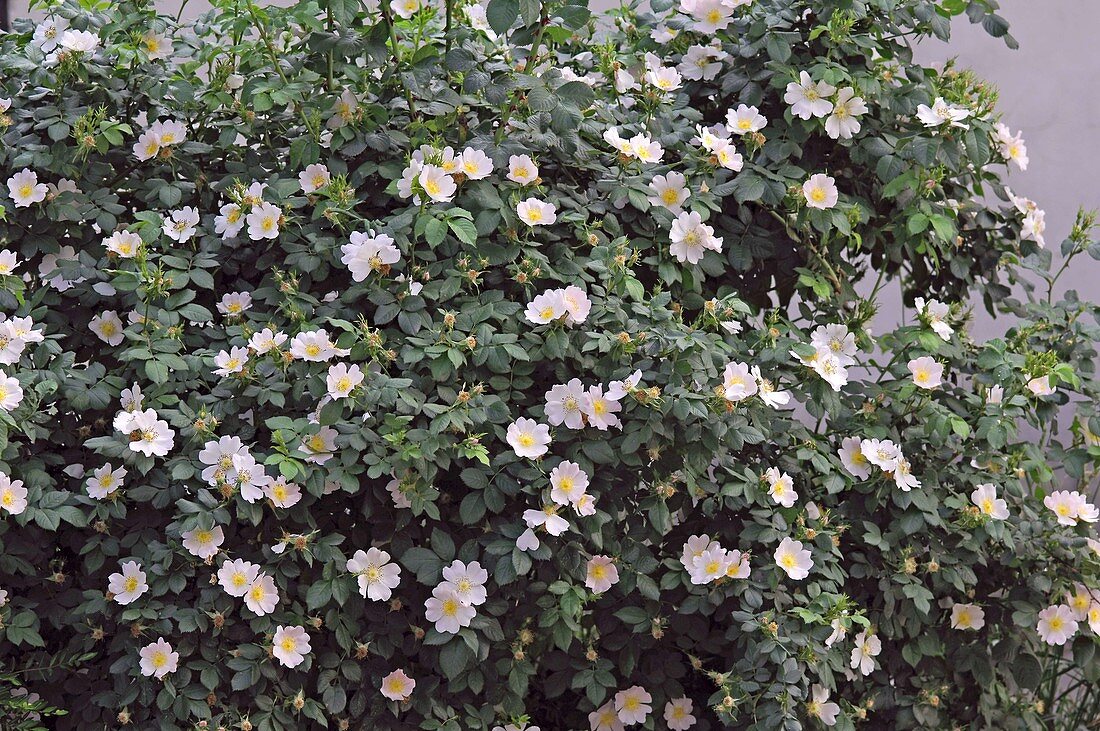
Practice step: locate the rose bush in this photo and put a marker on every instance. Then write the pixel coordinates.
(473, 366)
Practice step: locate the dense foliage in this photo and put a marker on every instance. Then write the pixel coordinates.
(472, 366)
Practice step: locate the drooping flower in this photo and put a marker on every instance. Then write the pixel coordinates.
(820, 707)
(985, 497)
(867, 648)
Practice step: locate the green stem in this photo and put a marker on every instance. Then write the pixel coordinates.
(396, 50)
(274, 58)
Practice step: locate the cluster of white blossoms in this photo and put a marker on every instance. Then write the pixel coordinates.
(244, 579)
(706, 561)
(569, 304)
(1059, 623)
(1011, 145)
(262, 218)
(741, 381)
(454, 601)
(640, 147)
(434, 174)
(1034, 223)
(834, 350)
(369, 253)
(717, 142)
(780, 487)
(941, 113)
(859, 455)
(158, 137)
(811, 99)
(631, 706)
(147, 433)
(1070, 506)
(934, 314)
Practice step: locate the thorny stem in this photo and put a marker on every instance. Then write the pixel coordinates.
(396, 49)
(274, 58)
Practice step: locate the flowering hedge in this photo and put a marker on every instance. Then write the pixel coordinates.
(505, 366)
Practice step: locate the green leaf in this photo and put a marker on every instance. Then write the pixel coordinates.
(464, 230)
(502, 15)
